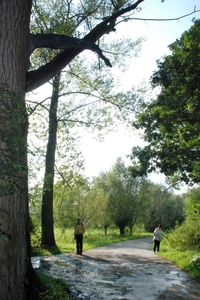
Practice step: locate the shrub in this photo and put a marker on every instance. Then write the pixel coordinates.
(187, 235)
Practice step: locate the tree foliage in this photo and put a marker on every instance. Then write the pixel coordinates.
(93, 20)
(70, 200)
(187, 235)
(17, 45)
(171, 122)
(163, 208)
(192, 199)
(115, 198)
(79, 97)
(123, 201)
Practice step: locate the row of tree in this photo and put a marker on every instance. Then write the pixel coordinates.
(94, 19)
(114, 198)
(78, 98)
(85, 24)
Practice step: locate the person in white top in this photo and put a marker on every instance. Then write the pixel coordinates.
(157, 238)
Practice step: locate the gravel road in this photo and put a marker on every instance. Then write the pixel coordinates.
(126, 271)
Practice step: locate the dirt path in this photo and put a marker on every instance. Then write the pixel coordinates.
(126, 271)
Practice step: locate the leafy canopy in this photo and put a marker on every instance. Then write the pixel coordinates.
(171, 122)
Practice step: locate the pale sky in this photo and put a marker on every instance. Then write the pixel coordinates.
(100, 156)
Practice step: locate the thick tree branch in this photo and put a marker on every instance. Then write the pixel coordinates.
(46, 72)
(73, 46)
(57, 41)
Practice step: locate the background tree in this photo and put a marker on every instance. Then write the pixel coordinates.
(17, 45)
(163, 207)
(77, 199)
(48, 238)
(97, 86)
(123, 196)
(192, 200)
(69, 199)
(102, 189)
(140, 213)
(171, 122)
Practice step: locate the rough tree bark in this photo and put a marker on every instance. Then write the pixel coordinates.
(15, 264)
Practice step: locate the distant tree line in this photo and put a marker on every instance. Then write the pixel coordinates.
(114, 198)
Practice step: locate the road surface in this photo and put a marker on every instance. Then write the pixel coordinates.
(126, 271)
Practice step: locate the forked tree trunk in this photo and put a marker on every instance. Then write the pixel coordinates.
(15, 264)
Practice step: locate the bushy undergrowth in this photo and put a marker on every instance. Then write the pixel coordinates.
(182, 246)
(186, 236)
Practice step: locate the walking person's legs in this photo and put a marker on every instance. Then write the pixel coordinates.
(156, 246)
(81, 244)
(77, 243)
(77, 246)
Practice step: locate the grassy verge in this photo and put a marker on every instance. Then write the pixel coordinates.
(52, 288)
(92, 238)
(187, 260)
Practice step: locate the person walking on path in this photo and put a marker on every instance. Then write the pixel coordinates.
(157, 238)
(79, 231)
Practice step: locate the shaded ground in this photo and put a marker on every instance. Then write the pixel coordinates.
(127, 271)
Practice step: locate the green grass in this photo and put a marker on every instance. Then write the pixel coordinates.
(187, 260)
(92, 238)
(52, 288)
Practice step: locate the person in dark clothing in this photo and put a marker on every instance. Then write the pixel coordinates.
(79, 231)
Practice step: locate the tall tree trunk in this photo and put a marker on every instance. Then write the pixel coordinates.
(122, 230)
(105, 230)
(15, 263)
(48, 239)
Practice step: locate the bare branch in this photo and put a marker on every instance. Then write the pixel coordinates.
(165, 20)
(63, 177)
(83, 122)
(37, 104)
